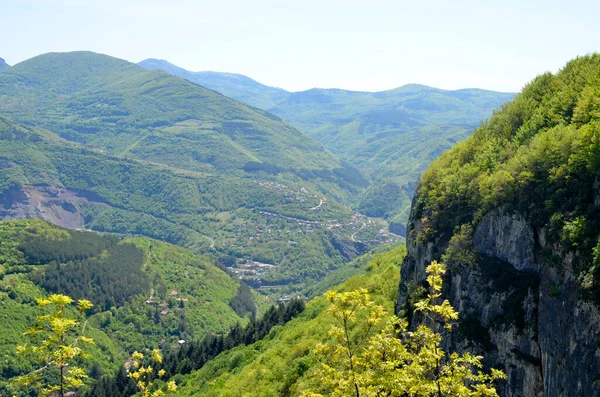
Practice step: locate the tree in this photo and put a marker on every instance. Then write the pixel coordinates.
(54, 347)
(143, 375)
(395, 361)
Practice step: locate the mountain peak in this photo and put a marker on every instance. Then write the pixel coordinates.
(160, 64)
(3, 64)
(233, 85)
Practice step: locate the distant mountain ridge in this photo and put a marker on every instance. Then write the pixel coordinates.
(391, 136)
(3, 64)
(233, 85)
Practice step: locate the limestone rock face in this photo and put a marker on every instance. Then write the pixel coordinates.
(506, 237)
(55, 205)
(524, 315)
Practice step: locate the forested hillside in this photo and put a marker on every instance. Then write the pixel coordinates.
(113, 105)
(231, 218)
(514, 211)
(146, 293)
(284, 363)
(106, 145)
(391, 136)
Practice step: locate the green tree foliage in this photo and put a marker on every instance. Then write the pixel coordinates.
(196, 354)
(138, 319)
(111, 278)
(396, 361)
(142, 375)
(54, 346)
(243, 302)
(284, 362)
(539, 156)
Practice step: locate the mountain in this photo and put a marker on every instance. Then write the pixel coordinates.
(378, 131)
(214, 145)
(113, 105)
(514, 211)
(232, 85)
(105, 145)
(146, 293)
(295, 230)
(391, 136)
(3, 64)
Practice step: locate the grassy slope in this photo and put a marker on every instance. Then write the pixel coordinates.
(127, 327)
(117, 106)
(283, 363)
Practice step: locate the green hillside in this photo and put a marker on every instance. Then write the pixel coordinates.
(391, 136)
(359, 125)
(113, 105)
(538, 156)
(274, 221)
(146, 293)
(284, 364)
(103, 144)
(232, 85)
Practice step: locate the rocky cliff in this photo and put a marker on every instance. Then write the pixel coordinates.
(520, 313)
(514, 212)
(59, 206)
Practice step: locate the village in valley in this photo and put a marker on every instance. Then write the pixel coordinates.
(358, 228)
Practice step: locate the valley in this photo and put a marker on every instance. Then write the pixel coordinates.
(390, 136)
(300, 199)
(107, 172)
(224, 234)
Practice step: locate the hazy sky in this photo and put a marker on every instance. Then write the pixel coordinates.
(368, 45)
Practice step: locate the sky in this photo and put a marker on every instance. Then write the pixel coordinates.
(367, 45)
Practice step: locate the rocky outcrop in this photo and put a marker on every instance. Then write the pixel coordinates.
(506, 237)
(397, 228)
(523, 314)
(55, 205)
(347, 248)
